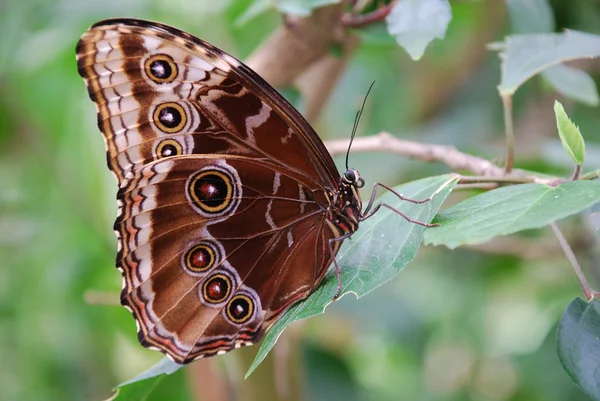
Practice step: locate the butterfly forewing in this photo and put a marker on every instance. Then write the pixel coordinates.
(224, 188)
(160, 91)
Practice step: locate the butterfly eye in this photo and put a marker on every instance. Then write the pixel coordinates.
(240, 309)
(161, 68)
(350, 175)
(170, 117)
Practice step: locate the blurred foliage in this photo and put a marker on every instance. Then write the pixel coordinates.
(469, 324)
(579, 345)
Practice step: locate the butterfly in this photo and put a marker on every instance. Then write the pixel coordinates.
(230, 208)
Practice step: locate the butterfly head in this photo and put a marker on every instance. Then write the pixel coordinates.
(347, 206)
(351, 177)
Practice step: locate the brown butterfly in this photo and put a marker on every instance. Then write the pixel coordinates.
(230, 208)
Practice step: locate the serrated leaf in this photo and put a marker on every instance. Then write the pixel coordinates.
(578, 345)
(415, 23)
(301, 8)
(376, 253)
(570, 137)
(511, 209)
(530, 16)
(573, 83)
(527, 55)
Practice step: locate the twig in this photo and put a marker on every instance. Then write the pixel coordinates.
(587, 290)
(576, 173)
(449, 155)
(510, 134)
(592, 175)
(504, 179)
(356, 21)
(477, 185)
(485, 170)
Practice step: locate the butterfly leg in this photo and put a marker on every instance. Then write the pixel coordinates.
(400, 196)
(379, 205)
(338, 271)
(371, 208)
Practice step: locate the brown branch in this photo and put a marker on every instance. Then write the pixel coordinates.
(319, 80)
(385, 142)
(293, 47)
(485, 170)
(300, 53)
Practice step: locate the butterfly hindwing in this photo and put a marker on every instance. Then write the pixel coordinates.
(178, 257)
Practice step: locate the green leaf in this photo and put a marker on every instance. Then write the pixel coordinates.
(530, 16)
(376, 253)
(524, 56)
(511, 209)
(572, 83)
(571, 138)
(140, 387)
(138, 391)
(578, 345)
(415, 23)
(301, 8)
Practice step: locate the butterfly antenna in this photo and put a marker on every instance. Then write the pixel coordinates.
(356, 121)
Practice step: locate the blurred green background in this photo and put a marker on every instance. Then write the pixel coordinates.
(471, 324)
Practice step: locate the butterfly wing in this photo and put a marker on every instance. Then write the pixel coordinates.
(223, 188)
(160, 91)
(213, 252)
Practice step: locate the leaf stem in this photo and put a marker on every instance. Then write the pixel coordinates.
(510, 134)
(592, 175)
(587, 290)
(509, 180)
(576, 173)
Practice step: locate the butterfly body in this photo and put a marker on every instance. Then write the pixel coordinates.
(230, 209)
